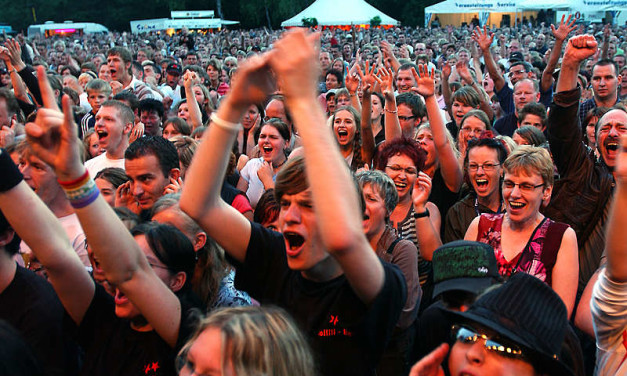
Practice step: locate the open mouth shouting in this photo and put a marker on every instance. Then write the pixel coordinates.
(612, 148)
(102, 137)
(293, 243)
(342, 136)
(267, 150)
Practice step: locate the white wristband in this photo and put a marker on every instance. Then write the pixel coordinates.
(226, 125)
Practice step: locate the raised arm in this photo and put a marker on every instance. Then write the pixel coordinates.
(427, 227)
(195, 117)
(203, 182)
(43, 233)
(391, 123)
(352, 84)
(616, 246)
(11, 54)
(369, 80)
(484, 40)
(338, 216)
(560, 34)
(578, 49)
(449, 166)
(53, 139)
(467, 78)
(446, 89)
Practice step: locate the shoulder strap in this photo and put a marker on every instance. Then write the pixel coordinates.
(394, 243)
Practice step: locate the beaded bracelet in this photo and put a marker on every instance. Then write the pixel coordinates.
(390, 111)
(226, 125)
(11, 175)
(81, 191)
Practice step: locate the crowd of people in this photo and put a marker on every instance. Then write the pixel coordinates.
(315, 202)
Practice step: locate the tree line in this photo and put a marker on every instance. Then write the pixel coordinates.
(116, 14)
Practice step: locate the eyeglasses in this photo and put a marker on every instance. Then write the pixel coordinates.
(469, 336)
(511, 73)
(487, 167)
(408, 170)
(406, 118)
(524, 187)
(476, 132)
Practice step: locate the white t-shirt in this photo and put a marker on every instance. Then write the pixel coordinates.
(255, 186)
(609, 314)
(99, 163)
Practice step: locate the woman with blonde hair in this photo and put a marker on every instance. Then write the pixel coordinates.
(247, 341)
(524, 240)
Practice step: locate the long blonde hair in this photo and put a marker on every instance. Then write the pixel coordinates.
(257, 341)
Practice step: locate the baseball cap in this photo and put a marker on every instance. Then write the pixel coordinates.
(174, 68)
(464, 265)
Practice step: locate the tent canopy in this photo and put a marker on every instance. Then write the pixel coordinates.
(338, 13)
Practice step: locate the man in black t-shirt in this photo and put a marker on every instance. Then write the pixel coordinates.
(321, 269)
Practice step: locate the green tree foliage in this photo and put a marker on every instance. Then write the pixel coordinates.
(116, 14)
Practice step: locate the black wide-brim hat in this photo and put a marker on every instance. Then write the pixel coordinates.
(528, 313)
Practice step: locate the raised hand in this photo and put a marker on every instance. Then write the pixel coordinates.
(483, 38)
(352, 79)
(53, 136)
(464, 72)
(387, 82)
(446, 70)
(190, 79)
(564, 28)
(421, 191)
(15, 54)
(431, 365)
(369, 77)
(579, 48)
(425, 80)
(294, 59)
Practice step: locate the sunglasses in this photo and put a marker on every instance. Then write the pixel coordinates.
(495, 345)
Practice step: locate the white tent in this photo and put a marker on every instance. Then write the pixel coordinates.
(338, 13)
(490, 12)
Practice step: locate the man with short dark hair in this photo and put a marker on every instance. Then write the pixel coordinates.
(320, 268)
(152, 164)
(581, 197)
(405, 79)
(533, 114)
(410, 110)
(151, 113)
(191, 58)
(171, 86)
(120, 61)
(605, 85)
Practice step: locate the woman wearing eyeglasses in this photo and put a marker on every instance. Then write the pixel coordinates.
(483, 167)
(524, 240)
(471, 126)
